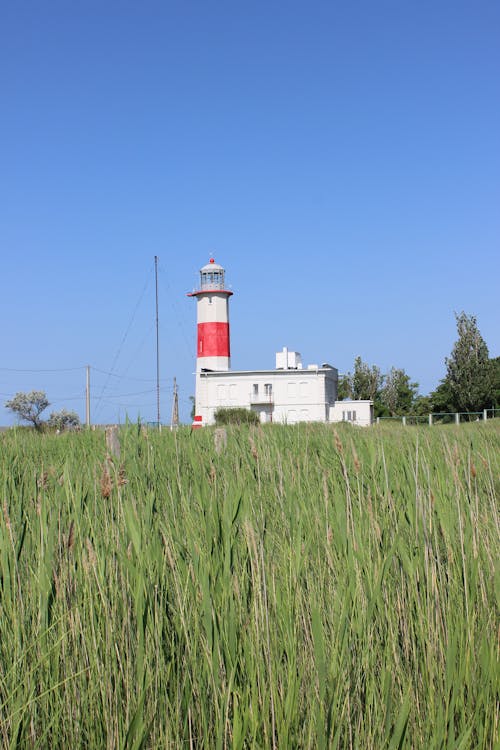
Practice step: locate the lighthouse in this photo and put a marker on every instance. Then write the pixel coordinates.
(213, 351)
(288, 394)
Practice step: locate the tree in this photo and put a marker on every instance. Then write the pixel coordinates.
(422, 405)
(64, 420)
(344, 387)
(495, 382)
(442, 399)
(398, 393)
(366, 381)
(469, 372)
(29, 406)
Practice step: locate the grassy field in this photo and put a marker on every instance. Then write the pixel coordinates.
(303, 586)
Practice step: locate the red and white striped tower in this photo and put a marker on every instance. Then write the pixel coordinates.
(213, 348)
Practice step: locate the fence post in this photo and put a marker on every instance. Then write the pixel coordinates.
(430, 420)
(485, 414)
(404, 421)
(378, 420)
(457, 418)
(112, 441)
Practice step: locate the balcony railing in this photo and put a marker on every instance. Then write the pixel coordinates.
(262, 398)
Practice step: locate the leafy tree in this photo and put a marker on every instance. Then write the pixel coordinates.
(442, 399)
(398, 392)
(422, 405)
(495, 382)
(29, 406)
(468, 375)
(366, 381)
(236, 416)
(344, 388)
(64, 420)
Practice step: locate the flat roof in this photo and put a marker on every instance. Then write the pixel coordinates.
(354, 401)
(289, 372)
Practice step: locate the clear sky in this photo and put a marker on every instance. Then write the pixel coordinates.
(340, 159)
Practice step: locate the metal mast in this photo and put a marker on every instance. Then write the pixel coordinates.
(157, 349)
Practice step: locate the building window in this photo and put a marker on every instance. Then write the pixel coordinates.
(255, 389)
(354, 416)
(268, 389)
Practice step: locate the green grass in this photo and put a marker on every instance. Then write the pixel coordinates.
(303, 587)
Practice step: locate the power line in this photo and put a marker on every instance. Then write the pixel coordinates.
(122, 377)
(66, 398)
(137, 393)
(115, 360)
(149, 404)
(60, 369)
(181, 322)
(136, 353)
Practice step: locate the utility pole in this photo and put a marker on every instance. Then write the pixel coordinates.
(87, 398)
(174, 422)
(157, 349)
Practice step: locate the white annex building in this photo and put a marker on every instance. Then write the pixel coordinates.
(289, 393)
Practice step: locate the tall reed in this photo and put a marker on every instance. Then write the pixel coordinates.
(303, 586)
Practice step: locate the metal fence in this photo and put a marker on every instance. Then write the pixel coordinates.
(443, 417)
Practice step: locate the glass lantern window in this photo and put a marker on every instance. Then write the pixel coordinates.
(212, 280)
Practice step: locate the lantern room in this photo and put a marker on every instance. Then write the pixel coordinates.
(211, 277)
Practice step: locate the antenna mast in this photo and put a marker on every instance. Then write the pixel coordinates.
(157, 349)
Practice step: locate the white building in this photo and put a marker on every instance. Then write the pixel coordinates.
(287, 394)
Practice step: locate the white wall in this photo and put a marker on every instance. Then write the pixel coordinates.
(295, 396)
(212, 308)
(286, 360)
(356, 412)
(281, 395)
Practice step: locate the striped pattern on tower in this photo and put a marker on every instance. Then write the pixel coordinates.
(213, 340)
(213, 347)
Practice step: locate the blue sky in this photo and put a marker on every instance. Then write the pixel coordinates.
(340, 160)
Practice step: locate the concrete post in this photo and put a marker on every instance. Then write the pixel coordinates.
(457, 418)
(485, 414)
(87, 398)
(404, 421)
(378, 420)
(112, 441)
(430, 420)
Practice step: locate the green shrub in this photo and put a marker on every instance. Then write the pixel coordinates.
(64, 420)
(236, 416)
